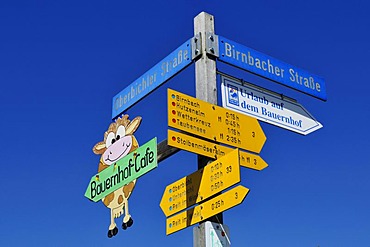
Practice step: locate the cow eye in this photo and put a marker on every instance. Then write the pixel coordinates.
(121, 132)
(110, 139)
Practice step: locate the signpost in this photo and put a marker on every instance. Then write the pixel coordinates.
(207, 209)
(235, 125)
(153, 78)
(216, 235)
(200, 185)
(125, 170)
(213, 122)
(271, 68)
(205, 77)
(212, 150)
(267, 106)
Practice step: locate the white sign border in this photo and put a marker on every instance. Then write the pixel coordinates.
(300, 112)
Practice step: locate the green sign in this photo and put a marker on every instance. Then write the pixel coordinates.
(125, 170)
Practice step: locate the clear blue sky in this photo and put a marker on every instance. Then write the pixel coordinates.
(61, 62)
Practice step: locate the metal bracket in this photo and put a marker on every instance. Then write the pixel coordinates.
(196, 46)
(212, 44)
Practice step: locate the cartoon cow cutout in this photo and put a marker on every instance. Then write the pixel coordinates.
(118, 142)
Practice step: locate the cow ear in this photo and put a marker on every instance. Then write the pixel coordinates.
(132, 127)
(99, 148)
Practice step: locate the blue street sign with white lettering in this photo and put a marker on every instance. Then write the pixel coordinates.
(153, 78)
(273, 69)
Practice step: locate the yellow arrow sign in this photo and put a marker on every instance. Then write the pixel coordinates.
(207, 209)
(200, 185)
(214, 122)
(212, 150)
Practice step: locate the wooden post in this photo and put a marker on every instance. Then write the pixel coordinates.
(206, 89)
(205, 67)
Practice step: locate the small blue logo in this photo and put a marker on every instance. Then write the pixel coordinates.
(233, 95)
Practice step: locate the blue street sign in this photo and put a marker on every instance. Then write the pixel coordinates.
(153, 78)
(273, 69)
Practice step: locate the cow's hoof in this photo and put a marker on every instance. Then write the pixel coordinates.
(124, 226)
(127, 224)
(130, 222)
(113, 232)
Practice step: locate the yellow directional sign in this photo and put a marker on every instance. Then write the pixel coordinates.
(212, 150)
(200, 185)
(214, 122)
(207, 209)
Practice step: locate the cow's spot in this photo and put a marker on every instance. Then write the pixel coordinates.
(120, 199)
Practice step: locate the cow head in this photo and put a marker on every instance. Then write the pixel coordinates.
(118, 141)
